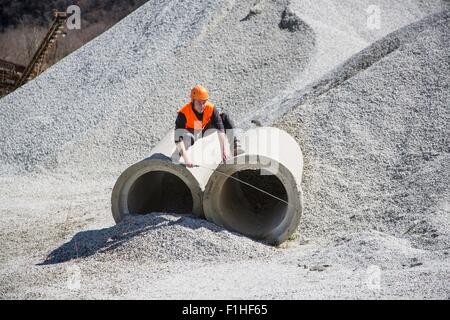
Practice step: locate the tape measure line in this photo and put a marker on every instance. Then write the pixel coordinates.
(246, 183)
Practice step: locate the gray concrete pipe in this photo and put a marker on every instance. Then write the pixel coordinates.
(160, 184)
(273, 162)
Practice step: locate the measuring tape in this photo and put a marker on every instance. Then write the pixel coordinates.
(241, 181)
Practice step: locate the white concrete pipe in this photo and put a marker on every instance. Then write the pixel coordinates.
(273, 163)
(160, 183)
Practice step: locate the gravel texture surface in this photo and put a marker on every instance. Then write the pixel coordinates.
(370, 109)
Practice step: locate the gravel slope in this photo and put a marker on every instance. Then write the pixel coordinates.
(377, 144)
(117, 95)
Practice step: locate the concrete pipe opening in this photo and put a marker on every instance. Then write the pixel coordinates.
(156, 186)
(159, 191)
(249, 209)
(242, 206)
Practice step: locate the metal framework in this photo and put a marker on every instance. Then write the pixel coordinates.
(37, 63)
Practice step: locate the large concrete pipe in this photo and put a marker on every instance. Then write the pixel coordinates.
(160, 183)
(267, 204)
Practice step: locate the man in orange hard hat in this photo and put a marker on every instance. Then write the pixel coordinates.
(200, 115)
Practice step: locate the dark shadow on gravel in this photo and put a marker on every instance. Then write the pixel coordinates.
(88, 243)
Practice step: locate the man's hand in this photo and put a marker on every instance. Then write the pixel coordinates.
(187, 160)
(225, 155)
(189, 164)
(223, 146)
(181, 148)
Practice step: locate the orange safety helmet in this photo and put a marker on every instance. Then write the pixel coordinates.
(199, 93)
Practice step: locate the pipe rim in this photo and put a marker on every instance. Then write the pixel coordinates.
(119, 203)
(291, 220)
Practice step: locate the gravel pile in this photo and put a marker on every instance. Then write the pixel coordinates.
(160, 238)
(377, 144)
(119, 93)
(367, 248)
(106, 105)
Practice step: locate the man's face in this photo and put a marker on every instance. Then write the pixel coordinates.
(199, 105)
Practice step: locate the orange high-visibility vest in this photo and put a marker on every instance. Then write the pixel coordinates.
(192, 121)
